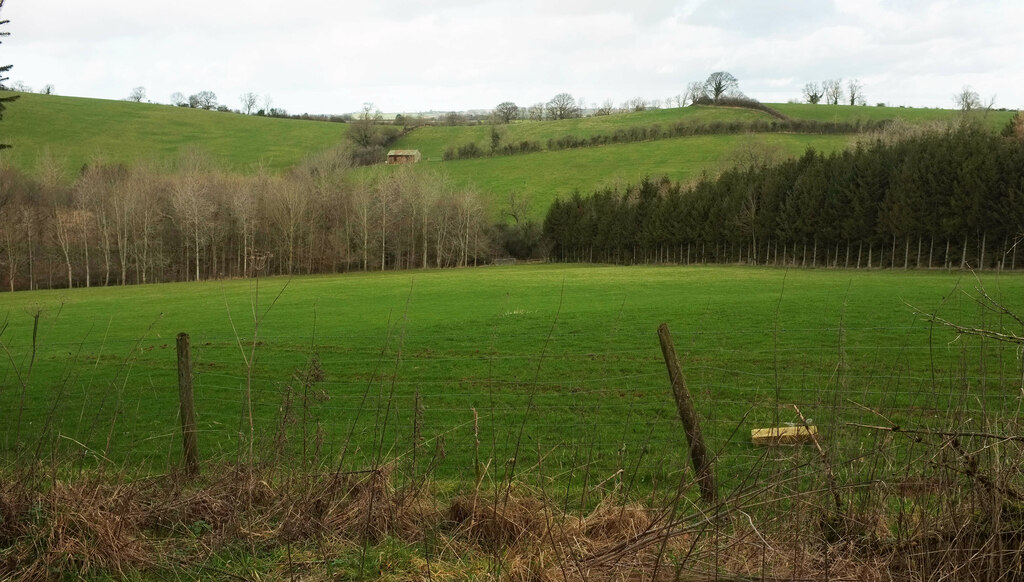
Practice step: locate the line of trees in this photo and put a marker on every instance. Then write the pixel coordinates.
(122, 225)
(831, 92)
(638, 133)
(948, 199)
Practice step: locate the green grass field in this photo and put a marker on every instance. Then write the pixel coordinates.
(77, 131)
(544, 176)
(995, 120)
(568, 355)
(432, 141)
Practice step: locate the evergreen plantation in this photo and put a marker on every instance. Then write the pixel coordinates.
(949, 198)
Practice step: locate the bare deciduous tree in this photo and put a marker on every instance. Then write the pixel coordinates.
(832, 90)
(812, 93)
(143, 215)
(517, 206)
(719, 84)
(694, 93)
(138, 95)
(249, 101)
(203, 100)
(287, 207)
(606, 108)
(506, 111)
(855, 92)
(967, 99)
(64, 234)
(191, 205)
(637, 104)
(562, 106)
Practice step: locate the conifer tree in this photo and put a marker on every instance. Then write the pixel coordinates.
(3, 71)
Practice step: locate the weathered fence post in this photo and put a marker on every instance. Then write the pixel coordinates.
(688, 414)
(190, 447)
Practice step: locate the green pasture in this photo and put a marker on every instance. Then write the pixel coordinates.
(995, 120)
(558, 363)
(544, 176)
(75, 131)
(432, 141)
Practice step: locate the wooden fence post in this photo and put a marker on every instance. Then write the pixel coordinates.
(688, 414)
(190, 447)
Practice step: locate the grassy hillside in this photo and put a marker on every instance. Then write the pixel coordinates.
(996, 120)
(432, 141)
(544, 176)
(76, 130)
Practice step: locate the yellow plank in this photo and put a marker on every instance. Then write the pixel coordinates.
(783, 435)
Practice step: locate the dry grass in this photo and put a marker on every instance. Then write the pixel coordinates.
(962, 523)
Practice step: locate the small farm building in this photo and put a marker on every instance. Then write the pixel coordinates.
(403, 156)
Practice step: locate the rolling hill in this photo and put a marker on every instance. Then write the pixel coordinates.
(73, 131)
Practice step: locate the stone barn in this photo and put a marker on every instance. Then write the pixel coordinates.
(403, 156)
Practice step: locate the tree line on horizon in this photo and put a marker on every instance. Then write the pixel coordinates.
(952, 198)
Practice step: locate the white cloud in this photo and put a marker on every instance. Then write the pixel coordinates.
(457, 54)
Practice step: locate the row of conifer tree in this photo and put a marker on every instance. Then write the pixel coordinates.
(953, 198)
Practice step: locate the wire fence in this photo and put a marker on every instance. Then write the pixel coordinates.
(561, 408)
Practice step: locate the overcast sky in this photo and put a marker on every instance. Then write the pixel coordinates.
(418, 55)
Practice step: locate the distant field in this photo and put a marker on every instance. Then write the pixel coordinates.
(567, 354)
(544, 176)
(76, 131)
(993, 119)
(433, 140)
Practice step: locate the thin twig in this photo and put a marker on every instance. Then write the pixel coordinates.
(939, 433)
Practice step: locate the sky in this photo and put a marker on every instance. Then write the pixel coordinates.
(325, 57)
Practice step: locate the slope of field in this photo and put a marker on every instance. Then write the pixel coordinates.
(995, 120)
(544, 176)
(75, 131)
(432, 141)
(551, 360)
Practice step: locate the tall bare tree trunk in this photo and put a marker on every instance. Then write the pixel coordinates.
(27, 218)
(62, 231)
(981, 257)
(83, 218)
(196, 238)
